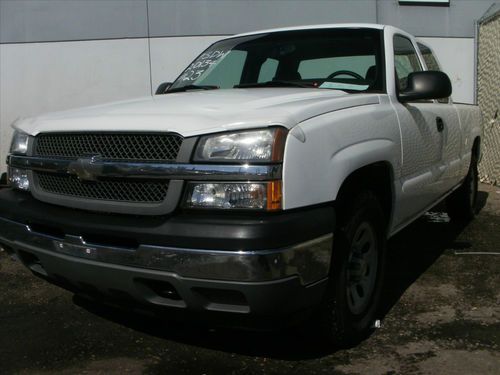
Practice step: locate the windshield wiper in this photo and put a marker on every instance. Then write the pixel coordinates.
(276, 83)
(192, 87)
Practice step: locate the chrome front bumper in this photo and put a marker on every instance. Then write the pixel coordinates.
(309, 261)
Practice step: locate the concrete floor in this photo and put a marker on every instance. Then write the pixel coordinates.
(441, 304)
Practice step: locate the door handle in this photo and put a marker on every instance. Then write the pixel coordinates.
(439, 124)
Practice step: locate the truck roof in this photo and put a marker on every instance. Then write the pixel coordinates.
(312, 27)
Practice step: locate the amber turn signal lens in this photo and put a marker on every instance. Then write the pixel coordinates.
(274, 196)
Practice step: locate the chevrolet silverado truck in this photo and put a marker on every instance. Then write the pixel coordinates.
(262, 183)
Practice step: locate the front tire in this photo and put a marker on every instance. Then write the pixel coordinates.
(350, 305)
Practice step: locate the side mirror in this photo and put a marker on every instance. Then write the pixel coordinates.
(162, 88)
(426, 85)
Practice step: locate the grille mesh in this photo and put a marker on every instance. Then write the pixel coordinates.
(112, 146)
(110, 190)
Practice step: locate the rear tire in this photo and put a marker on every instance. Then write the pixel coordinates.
(461, 205)
(348, 312)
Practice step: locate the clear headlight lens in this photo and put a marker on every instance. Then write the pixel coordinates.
(246, 195)
(18, 179)
(254, 145)
(19, 145)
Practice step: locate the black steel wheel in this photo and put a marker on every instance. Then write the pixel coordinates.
(350, 305)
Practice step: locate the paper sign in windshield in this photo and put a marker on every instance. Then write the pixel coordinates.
(202, 65)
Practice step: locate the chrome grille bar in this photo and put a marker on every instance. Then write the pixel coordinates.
(144, 170)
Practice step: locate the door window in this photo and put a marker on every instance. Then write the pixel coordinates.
(429, 58)
(405, 60)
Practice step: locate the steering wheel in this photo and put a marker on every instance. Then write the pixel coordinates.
(346, 72)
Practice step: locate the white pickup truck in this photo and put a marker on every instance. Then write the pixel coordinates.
(262, 183)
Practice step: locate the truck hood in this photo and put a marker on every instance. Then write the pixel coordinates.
(201, 112)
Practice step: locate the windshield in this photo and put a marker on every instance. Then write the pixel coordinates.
(342, 59)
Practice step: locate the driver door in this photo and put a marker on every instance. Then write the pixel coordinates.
(423, 139)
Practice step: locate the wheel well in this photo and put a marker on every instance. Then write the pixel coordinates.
(376, 177)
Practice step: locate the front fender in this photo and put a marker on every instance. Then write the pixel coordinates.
(332, 148)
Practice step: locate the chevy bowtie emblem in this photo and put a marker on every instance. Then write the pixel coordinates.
(86, 168)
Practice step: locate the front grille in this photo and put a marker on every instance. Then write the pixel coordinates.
(108, 190)
(112, 146)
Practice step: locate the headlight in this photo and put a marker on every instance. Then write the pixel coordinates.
(263, 145)
(246, 195)
(19, 145)
(18, 179)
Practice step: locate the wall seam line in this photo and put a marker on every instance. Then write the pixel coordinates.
(118, 39)
(149, 51)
